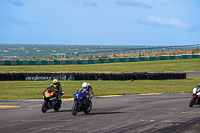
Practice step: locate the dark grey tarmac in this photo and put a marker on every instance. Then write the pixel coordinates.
(161, 113)
(192, 73)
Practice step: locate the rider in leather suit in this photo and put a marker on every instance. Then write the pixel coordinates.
(57, 87)
(87, 87)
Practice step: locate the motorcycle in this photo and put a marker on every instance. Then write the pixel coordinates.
(50, 100)
(195, 98)
(81, 103)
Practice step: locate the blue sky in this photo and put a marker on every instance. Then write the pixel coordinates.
(100, 22)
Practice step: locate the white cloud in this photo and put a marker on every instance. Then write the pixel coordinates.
(167, 22)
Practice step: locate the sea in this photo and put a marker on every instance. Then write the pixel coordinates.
(35, 51)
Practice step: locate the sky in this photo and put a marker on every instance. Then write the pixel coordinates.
(100, 22)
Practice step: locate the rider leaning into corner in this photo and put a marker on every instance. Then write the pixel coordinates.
(88, 89)
(57, 88)
(197, 88)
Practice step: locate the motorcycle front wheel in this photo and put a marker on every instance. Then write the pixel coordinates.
(44, 106)
(192, 102)
(75, 108)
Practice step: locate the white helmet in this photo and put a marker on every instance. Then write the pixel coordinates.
(85, 86)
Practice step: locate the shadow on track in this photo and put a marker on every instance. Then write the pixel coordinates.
(104, 113)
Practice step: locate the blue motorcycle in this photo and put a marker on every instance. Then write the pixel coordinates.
(81, 103)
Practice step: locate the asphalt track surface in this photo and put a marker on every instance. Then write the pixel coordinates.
(192, 73)
(158, 113)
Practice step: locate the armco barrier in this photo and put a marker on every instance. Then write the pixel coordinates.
(95, 61)
(91, 76)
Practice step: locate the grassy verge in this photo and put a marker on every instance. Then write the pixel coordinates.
(13, 90)
(142, 66)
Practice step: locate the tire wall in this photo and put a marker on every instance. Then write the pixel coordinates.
(90, 76)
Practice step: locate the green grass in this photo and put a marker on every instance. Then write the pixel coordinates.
(13, 90)
(142, 66)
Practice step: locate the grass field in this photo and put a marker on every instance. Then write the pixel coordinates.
(13, 90)
(142, 66)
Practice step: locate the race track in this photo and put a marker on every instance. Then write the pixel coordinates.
(167, 113)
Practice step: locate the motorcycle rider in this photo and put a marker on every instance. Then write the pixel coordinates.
(57, 88)
(198, 86)
(88, 89)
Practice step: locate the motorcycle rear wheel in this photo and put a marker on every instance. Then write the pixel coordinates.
(44, 106)
(88, 109)
(57, 106)
(74, 109)
(192, 102)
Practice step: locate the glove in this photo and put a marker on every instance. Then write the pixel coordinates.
(92, 95)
